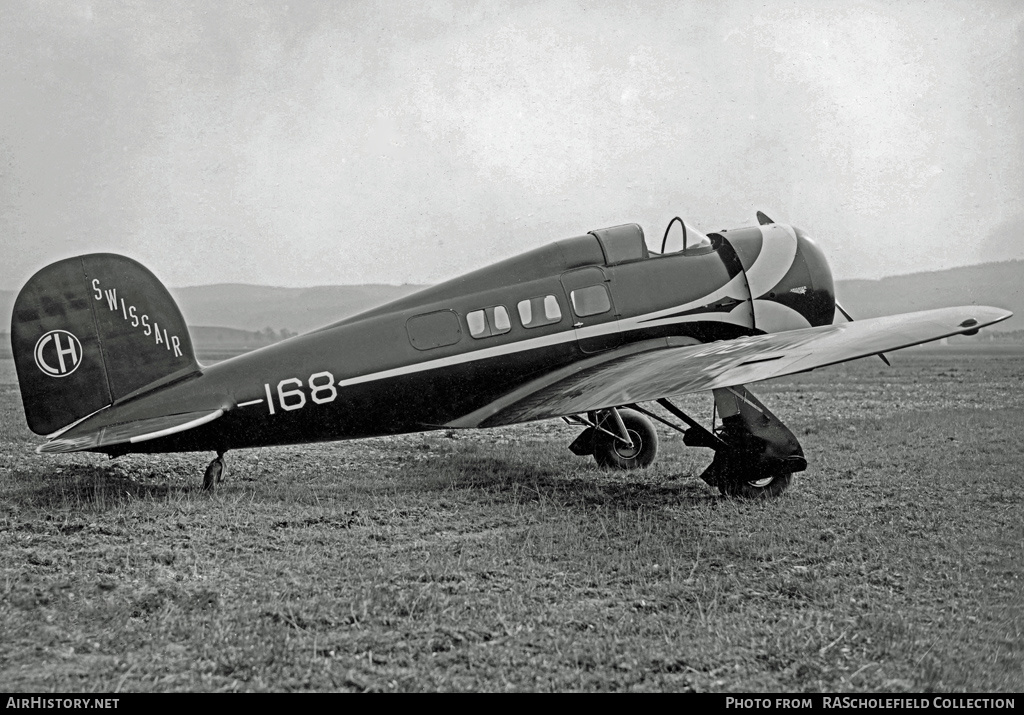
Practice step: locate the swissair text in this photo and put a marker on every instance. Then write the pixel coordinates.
(138, 321)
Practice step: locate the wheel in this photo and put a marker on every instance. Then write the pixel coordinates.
(214, 473)
(610, 452)
(764, 488)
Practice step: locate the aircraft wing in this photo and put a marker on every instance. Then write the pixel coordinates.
(670, 366)
(80, 437)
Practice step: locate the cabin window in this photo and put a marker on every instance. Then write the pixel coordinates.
(489, 321)
(542, 310)
(434, 330)
(500, 322)
(477, 324)
(590, 300)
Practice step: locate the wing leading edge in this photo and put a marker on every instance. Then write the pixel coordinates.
(673, 366)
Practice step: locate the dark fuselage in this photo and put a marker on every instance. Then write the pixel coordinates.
(424, 361)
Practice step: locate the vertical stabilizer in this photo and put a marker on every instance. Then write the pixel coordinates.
(91, 330)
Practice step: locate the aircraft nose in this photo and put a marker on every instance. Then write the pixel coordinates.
(808, 287)
(820, 308)
(790, 281)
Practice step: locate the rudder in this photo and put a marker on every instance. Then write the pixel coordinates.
(91, 330)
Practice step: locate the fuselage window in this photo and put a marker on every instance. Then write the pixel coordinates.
(590, 300)
(542, 310)
(499, 320)
(434, 330)
(477, 324)
(489, 321)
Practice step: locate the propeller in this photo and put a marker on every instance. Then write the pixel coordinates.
(764, 219)
(850, 318)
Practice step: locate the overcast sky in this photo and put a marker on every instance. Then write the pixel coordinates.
(322, 143)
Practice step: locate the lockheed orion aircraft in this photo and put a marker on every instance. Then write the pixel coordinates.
(586, 329)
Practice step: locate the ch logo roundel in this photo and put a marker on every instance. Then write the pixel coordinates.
(58, 353)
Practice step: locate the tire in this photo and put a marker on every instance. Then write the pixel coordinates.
(612, 454)
(766, 488)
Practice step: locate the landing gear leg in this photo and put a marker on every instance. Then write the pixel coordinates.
(215, 472)
(759, 454)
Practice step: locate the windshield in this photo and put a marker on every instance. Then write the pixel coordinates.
(672, 240)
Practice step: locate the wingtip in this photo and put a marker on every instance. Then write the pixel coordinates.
(986, 315)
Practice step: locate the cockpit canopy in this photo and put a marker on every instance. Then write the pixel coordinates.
(621, 244)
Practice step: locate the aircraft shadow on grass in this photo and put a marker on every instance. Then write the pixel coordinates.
(89, 487)
(520, 483)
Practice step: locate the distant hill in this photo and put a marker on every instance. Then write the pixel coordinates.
(210, 343)
(998, 284)
(251, 307)
(257, 315)
(256, 308)
(214, 343)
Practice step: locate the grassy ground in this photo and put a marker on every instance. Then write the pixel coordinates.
(498, 561)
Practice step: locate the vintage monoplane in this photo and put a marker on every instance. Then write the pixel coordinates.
(585, 329)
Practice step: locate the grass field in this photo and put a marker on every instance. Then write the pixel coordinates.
(496, 560)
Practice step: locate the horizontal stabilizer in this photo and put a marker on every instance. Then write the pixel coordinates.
(82, 437)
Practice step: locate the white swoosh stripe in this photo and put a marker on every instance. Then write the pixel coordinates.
(65, 428)
(733, 288)
(774, 317)
(566, 336)
(774, 261)
(496, 351)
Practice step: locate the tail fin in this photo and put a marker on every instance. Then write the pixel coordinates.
(91, 330)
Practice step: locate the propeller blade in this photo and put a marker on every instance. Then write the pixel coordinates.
(843, 311)
(763, 219)
(850, 318)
